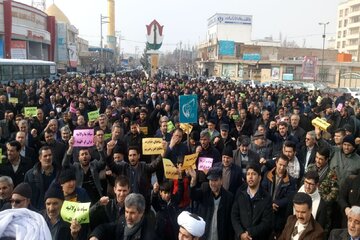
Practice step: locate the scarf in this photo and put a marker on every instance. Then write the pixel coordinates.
(129, 232)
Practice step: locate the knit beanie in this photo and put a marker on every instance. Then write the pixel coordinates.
(54, 191)
(66, 175)
(23, 189)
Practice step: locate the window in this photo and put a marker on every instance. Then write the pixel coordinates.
(341, 13)
(6, 72)
(346, 11)
(344, 33)
(37, 72)
(343, 44)
(339, 34)
(290, 70)
(345, 22)
(18, 72)
(338, 45)
(340, 24)
(28, 71)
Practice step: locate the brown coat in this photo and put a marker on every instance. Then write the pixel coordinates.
(312, 232)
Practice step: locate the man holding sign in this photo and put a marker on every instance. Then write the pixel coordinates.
(137, 171)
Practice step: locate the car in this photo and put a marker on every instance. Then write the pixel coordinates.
(213, 79)
(354, 92)
(336, 92)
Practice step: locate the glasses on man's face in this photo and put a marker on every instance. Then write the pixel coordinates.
(17, 201)
(309, 183)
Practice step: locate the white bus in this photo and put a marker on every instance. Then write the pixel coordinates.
(19, 70)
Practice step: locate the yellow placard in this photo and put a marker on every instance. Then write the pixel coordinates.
(186, 127)
(170, 170)
(189, 161)
(30, 111)
(75, 210)
(92, 116)
(144, 130)
(152, 146)
(320, 123)
(13, 100)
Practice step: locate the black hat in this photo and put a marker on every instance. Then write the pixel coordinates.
(67, 174)
(348, 128)
(54, 191)
(23, 189)
(224, 127)
(244, 140)
(258, 135)
(214, 173)
(349, 139)
(227, 151)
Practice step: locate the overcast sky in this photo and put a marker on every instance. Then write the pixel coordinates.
(186, 20)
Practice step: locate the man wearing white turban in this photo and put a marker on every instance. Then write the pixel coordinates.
(192, 227)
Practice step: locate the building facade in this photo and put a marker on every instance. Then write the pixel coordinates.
(348, 28)
(25, 32)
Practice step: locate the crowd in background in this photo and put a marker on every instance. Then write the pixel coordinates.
(274, 175)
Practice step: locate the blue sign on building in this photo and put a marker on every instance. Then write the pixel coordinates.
(226, 48)
(188, 108)
(252, 56)
(1, 48)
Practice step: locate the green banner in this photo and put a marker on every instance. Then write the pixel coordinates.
(30, 111)
(107, 136)
(75, 210)
(93, 115)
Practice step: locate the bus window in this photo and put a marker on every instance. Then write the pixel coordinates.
(45, 71)
(28, 72)
(18, 72)
(6, 73)
(37, 71)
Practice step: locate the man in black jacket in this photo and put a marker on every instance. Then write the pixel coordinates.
(215, 204)
(136, 225)
(251, 214)
(113, 209)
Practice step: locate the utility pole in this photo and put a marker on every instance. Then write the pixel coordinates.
(102, 21)
(322, 76)
(180, 59)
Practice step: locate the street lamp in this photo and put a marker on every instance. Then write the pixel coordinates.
(323, 50)
(102, 21)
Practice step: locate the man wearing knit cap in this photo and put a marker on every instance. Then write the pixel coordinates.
(20, 197)
(54, 198)
(192, 227)
(67, 180)
(345, 160)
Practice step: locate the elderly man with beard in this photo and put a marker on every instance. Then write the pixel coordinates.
(353, 226)
(54, 199)
(87, 170)
(6, 188)
(136, 226)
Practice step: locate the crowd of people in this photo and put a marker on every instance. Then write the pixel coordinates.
(273, 175)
